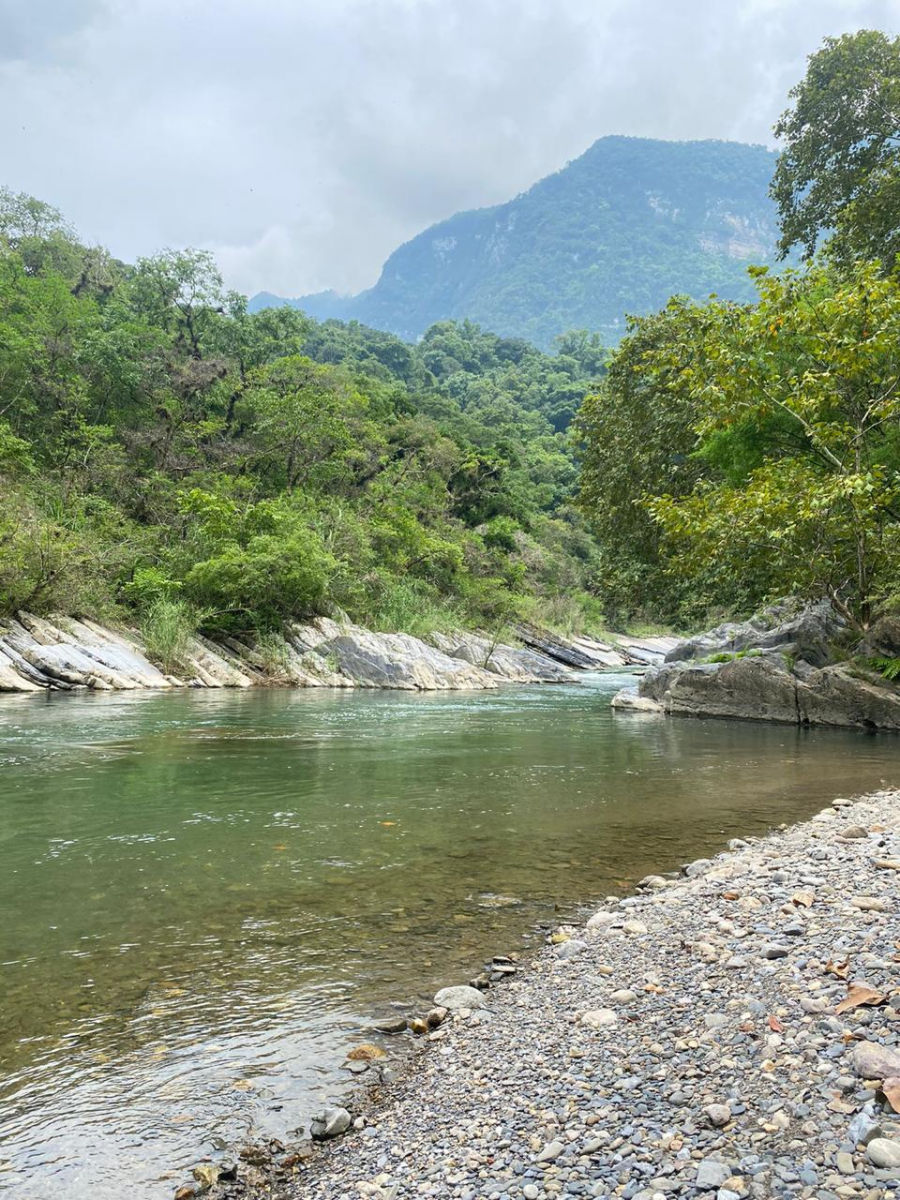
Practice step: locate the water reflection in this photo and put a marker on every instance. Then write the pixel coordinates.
(204, 895)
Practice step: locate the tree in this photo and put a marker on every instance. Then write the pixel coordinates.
(798, 399)
(308, 422)
(838, 176)
(637, 436)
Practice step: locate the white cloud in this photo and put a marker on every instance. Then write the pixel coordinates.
(301, 142)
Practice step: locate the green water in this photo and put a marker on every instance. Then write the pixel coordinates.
(205, 896)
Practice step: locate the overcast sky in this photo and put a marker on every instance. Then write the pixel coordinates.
(302, 140)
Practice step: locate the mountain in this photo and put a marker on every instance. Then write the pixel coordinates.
(619, 230)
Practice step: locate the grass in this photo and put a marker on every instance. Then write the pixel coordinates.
(407, 608)
(275, 654)
(167, 629)
(729, 656)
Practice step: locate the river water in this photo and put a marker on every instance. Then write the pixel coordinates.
(205, 896)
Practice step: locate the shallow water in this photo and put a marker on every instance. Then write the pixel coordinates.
(205, 896)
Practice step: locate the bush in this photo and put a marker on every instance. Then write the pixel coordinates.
(263, 584)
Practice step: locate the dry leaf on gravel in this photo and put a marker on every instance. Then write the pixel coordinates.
(859, 994)
(775, 1025)
(891, 1089)
(803, 899)
(839, 969)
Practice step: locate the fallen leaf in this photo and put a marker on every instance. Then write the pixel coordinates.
(839, 969)
(859, 994)
(891, 1089)
(731, 895)
(279, 846)
(803, 899)
(775, 1025)
(654, 988)
(387, 824)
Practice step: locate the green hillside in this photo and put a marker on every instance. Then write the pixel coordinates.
(619, 230)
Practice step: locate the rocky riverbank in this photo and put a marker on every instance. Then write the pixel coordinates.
(790, 664)
(39, 654)
(731, 1033)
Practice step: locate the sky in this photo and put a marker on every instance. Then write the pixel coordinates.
(301, 141)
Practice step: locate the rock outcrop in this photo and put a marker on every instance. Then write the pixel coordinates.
(39, 654)
(783, 665)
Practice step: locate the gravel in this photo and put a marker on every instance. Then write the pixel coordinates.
(692, 1047)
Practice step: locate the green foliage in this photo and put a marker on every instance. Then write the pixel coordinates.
(637, 436)
(725, 656)
(888, 668)
(166, 452)
(167, 627)
(838, 176)
(813, 370)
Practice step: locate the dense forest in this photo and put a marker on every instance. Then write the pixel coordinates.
(169, 456)
(628, 224)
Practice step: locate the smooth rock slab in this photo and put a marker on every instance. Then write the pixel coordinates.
(460, 996)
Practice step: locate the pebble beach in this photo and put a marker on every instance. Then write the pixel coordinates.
(734, 1032)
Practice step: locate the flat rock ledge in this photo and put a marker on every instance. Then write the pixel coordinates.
(60, 654)
(721, 1035)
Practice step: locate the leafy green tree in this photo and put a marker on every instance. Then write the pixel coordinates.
(637, 437)
(814, 370)
(838, 176)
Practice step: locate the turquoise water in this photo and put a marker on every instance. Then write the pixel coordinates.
(205, 896)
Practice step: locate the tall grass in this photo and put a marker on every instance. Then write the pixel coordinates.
(406, 607)
(167, 628)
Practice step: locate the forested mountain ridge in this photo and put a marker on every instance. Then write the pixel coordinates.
(619, 230)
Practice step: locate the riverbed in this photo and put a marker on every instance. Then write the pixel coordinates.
(206, 896)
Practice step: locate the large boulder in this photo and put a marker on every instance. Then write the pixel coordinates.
(753, 688)
(804, 632)
(845, 696)
(776, 668)
(883, 639)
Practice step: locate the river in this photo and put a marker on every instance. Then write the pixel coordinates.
(205, 896)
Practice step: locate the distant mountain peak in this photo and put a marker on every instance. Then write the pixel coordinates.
(618, 230)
